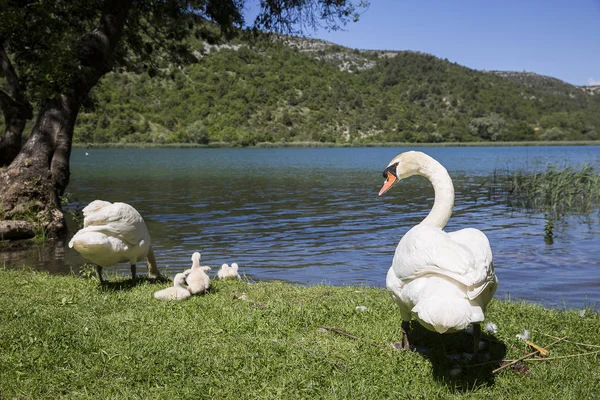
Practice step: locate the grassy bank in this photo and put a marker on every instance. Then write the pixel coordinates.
(64, 337)
(321, 144)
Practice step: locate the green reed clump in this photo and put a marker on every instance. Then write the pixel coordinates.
(555, 192)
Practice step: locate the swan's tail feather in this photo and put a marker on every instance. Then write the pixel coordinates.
(447, 313)
(92, 242)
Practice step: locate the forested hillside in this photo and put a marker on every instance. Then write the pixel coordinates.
(292, 89)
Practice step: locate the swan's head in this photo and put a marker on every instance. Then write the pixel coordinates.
(196, 257)
(401, 167)
(224, 266)
(234, 266)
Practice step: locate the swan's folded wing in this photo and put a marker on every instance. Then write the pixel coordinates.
(109, 213)
(118, 220)
(426, 250)
(99, 248)
(129, 235)
(479, 245)
(98, 216)
(95, 206)
(476, 242)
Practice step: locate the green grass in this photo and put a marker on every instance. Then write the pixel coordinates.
(65, 337)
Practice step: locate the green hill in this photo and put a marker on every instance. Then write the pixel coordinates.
(294, 89)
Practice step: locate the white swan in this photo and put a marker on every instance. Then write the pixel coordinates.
(227, 272)
(114, 233)
(444, 279)
(197, 278)
(175, 292)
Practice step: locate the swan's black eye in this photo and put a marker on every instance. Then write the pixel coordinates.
(391, 169)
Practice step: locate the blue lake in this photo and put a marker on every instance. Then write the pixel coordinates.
(313, 216)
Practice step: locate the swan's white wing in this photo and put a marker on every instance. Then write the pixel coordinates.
(426, 250)
(111, 213)
(483, 275)
(93, 207)
(118, 220)
(99, 248)
(476, 241)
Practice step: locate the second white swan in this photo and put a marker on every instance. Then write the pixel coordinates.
(113, 233)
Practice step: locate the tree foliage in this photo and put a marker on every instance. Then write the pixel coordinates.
(52, 53)
(249, 90)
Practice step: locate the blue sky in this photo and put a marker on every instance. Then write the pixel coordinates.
(554, 38)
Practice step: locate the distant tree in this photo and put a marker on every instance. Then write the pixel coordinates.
(590, 132)
(520, 131)
(554, 133)
(196, 133)
(52, 53)
(488, 128)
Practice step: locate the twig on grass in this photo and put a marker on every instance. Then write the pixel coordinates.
(543, 352)
(533, 353)
(579, 344)
(568, 356)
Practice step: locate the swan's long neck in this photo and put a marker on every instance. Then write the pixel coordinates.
(195, 262)
(444, 193)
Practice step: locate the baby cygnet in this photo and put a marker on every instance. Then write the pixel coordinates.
(175, 292)
(227, 272)
(197, 278)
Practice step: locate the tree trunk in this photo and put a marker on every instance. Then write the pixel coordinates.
(16, 109)
(33, 183)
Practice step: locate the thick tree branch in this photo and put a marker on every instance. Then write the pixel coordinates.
(15, 108)
(40, 173)
(96, 52)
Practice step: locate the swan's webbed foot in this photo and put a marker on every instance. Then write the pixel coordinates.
(404, 345)
(133, 276)
(99, 272)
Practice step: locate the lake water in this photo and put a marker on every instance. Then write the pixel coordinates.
(313, 215)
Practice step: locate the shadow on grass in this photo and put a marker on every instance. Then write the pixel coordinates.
(451, 356)
(128, 284)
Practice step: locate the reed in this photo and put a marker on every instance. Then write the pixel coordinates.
(555, 192)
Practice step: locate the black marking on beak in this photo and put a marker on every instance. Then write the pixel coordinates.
(391, 169)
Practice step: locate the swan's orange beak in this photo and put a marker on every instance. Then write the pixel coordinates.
(389, 182)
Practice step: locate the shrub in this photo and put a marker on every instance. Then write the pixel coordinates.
(554, 133)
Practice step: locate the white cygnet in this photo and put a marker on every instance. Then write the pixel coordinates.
(197, 278)
(176, 292)
(227, 272)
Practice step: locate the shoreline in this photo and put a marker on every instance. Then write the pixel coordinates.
(263, 145)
